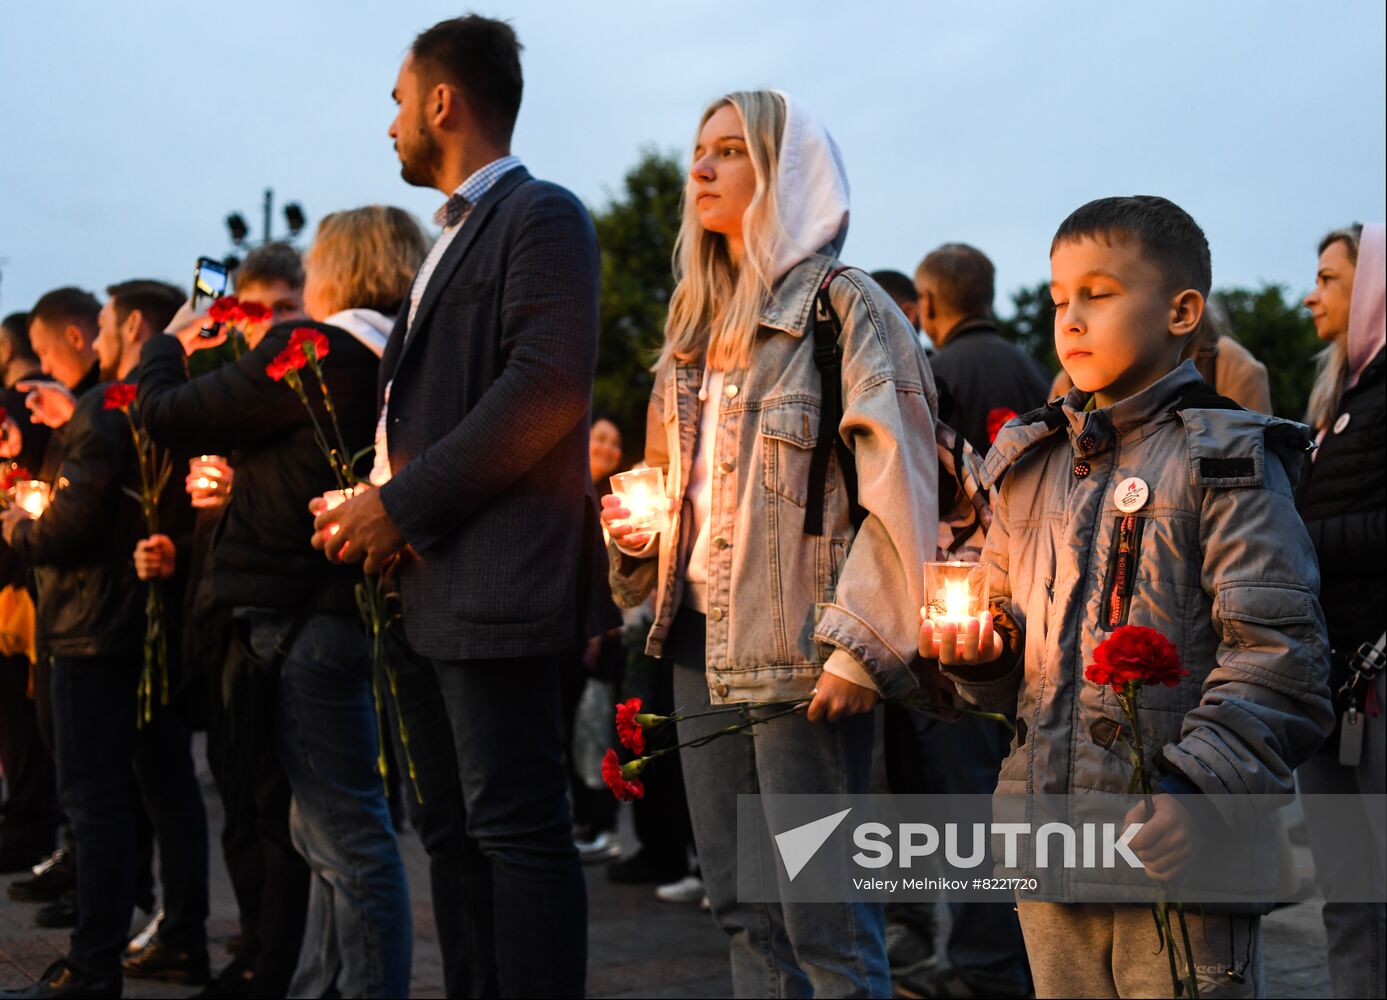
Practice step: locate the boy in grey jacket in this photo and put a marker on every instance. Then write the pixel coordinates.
(1144, 498)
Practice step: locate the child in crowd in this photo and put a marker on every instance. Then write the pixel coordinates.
(1144, 498)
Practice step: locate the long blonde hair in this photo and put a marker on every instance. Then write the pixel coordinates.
(716, 306)
(1331, 364)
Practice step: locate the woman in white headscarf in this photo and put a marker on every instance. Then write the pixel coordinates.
(1343, 498)
(778, 577)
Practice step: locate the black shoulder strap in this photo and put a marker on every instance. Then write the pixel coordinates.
(828, 359)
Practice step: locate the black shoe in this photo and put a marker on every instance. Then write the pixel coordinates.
(62, 912)
(52, 877)
(19, 859)
(959, 984)
(642, 869)
(910, 949)
(63, 979)
(232, 983)
(157, 960)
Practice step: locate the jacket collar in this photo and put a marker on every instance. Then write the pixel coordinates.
(1136, 413)
(792, 299)
(1140, 411)
(974, 324)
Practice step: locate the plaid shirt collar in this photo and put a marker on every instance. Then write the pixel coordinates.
(470, 191)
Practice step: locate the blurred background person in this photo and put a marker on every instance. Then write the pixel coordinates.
(983, 378)
(1343, 499)
(903, 292)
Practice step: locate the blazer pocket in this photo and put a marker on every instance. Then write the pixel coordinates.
(461, 294)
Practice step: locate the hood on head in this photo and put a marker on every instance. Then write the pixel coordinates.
(812, 193)
(1367, 317)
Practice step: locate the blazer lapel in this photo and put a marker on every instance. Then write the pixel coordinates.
(452, 257)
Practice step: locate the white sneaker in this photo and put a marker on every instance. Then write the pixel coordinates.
(688, 889)
(141, 940)
(602, 847)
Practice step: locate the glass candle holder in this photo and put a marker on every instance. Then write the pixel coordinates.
(334, 499)
(31, 495)
(956, 592)
(207, 469)
(642, 492)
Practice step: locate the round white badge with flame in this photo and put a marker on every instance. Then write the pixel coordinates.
(1131, 495)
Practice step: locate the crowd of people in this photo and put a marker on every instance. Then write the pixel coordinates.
(391, 586)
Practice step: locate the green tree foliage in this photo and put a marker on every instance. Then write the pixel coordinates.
(1280, 335)
(636, 231)
(1276, 330)
(1031, 325)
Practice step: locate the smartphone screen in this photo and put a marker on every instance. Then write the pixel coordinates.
(209, 281)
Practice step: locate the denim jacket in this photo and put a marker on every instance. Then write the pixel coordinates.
(779, 600)
(1220, 564)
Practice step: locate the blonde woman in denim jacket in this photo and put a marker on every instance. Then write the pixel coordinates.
(749, 606)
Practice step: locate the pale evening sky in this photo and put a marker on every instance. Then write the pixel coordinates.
(128, 131)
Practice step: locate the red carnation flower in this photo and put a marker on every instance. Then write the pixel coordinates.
(997, 419)
(306, 339)
(627, 728)
(1135, 654)
(226, 309)
(119, 396)
(284, 362)
(614, 775)
(253, 313)
(13, 474)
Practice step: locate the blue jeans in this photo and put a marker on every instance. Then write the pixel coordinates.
(927, 756)
(359, 934)
(784, 949)
(96, 743)
(521, 901)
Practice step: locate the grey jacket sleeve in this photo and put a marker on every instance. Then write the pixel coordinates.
(1265, 708)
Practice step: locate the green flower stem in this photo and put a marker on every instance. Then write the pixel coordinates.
(1160, 908)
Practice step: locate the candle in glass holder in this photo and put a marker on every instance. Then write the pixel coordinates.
(30, 495)
(208, 469)
(642, 492)
(334, 499)
(956, 593)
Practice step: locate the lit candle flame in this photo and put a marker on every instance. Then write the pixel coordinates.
(31, 495)
(957, 601)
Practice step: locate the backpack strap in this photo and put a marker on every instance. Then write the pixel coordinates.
(828, 359)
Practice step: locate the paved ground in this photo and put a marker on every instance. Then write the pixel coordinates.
(639, 947)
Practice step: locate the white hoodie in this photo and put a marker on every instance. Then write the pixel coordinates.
(812, 198)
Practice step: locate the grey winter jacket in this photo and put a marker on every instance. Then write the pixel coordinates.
(1223, 568)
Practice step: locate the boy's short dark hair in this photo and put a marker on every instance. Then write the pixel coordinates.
(15, 328)
(157, 301)
(1167, 233)
(481, 57)
(68, 305)
(966, 279)
(271, 262)
(898, 286)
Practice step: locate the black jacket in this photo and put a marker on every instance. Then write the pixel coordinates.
(261, 556)
(488, 430)
(985, 375)
(1343, 499)
(90, 603)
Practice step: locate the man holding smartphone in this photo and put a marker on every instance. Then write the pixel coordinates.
(485, 390)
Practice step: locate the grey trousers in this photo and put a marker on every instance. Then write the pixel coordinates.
(1109, 950)
(776, 949)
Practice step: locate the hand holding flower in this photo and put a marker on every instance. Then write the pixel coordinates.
(155, 558)
(1169, 838)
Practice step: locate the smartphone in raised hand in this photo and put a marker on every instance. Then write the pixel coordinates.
(209, 284)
